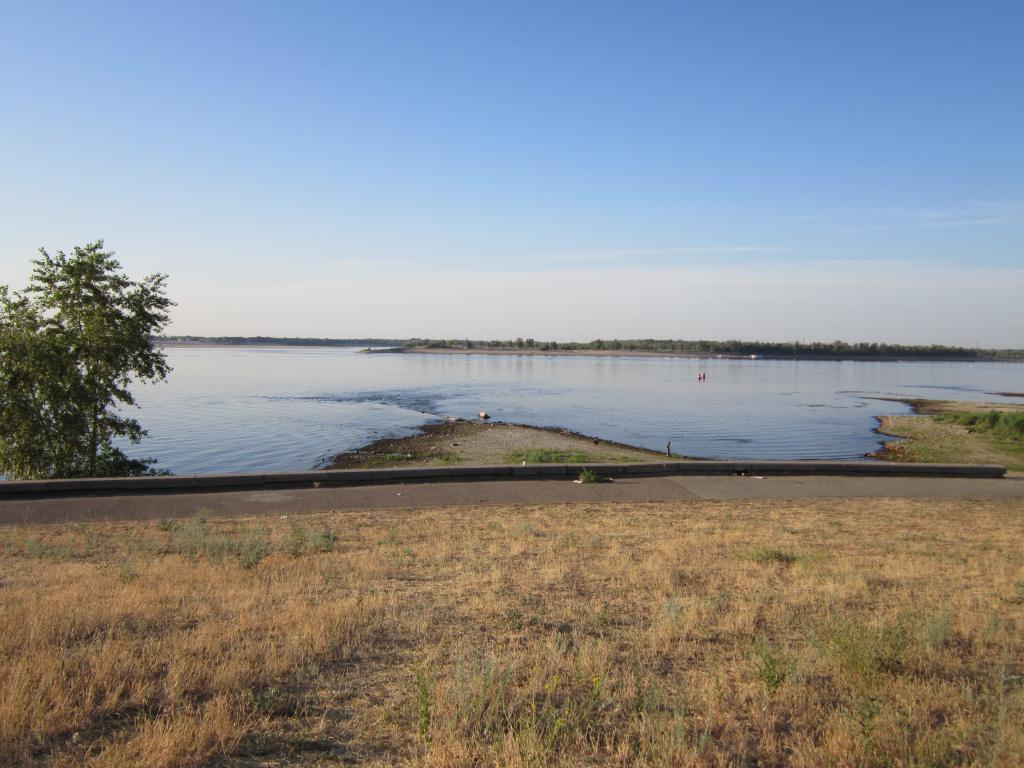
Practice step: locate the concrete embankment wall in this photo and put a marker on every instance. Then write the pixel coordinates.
(342, 477)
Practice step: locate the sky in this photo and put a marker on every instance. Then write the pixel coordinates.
(557, 170)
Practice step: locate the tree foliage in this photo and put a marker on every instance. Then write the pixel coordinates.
(835, 350)
(71, 344)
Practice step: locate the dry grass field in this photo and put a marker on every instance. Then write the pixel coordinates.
(846, 632)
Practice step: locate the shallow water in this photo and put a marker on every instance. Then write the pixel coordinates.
(246, 409)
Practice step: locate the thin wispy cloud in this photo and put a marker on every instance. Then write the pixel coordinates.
(976, 214)
(613, 254)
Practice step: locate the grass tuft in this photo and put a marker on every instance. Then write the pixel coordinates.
(255, 546)
(546, 456)
(1006, 424)
(774, 555)
(772, 666)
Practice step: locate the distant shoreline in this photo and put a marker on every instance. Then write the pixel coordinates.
(267, 345)
(700, 349)
(534, 352)
(691, 355)
(568, 352)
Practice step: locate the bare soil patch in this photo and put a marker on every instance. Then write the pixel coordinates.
(455, 443)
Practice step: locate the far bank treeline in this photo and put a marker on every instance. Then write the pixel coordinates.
(278, 341)
(785, 349)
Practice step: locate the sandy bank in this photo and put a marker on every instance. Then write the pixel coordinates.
(454, 443)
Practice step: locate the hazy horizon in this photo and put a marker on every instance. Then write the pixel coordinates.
(574, 172)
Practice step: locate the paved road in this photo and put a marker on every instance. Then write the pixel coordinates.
(419, 495)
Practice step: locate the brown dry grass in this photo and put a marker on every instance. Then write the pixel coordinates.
(848, 632)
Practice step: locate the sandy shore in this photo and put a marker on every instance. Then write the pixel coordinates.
(454, 443)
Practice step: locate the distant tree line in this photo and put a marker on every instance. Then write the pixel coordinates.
(786, 349)
(279, 341)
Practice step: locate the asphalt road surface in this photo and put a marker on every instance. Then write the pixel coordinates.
(503, 492)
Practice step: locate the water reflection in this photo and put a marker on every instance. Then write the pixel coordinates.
(253, 409)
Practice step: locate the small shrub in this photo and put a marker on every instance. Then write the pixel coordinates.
(423, 705)
(324, 541)
(772, 667)
(35, 548)
(126, 571)
(302, 541)
(513, 619)
(218, 548)
(938, 629)
(774, 555)
(1004, 424)
(864, 710)
(866, 651)
(528, 529)
(266, 701)
(589, 476)
(255, 547)
(165, 524)
(298, 541)
(193, 540)
(648, 697)
(545, 710)
(189, 538)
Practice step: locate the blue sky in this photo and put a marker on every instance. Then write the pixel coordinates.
(722, 169)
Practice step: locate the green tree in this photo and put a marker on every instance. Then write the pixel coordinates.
(71, 344)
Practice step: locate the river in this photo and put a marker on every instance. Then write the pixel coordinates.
(249, 409)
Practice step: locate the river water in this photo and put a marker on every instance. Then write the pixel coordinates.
(249, 409)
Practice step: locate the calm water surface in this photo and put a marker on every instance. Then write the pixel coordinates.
(245, 409)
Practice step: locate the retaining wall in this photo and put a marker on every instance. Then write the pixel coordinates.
(340, 477)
